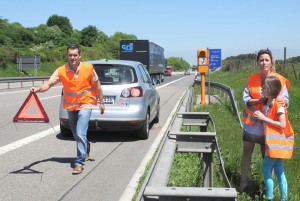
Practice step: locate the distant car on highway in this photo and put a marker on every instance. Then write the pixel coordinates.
(187, 72)
(197, 78)
(130, 98)
(167, 73)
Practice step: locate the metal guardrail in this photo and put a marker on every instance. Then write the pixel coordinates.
(21, 80)
(229, 92)
(205, 143)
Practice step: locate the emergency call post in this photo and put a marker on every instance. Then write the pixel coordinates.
(202, 60)
(202, 57)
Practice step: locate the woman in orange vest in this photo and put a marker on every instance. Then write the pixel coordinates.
(81, 90)
(279, 137)
(253, 99)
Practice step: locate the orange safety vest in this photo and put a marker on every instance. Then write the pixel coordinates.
(254, 86)
(78, 91)
(279, 142)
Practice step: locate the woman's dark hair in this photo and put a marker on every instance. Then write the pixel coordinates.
(264, 51)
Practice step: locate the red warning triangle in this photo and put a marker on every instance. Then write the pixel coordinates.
(31, 110)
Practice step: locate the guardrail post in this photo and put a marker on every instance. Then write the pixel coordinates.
(208, 169)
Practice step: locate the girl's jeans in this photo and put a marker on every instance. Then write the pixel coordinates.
(79, 122)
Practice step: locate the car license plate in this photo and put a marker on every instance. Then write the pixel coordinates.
(109, 99)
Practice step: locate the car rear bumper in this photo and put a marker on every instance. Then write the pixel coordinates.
(95, 124)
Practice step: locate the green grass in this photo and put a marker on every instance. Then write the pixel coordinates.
(186, 169)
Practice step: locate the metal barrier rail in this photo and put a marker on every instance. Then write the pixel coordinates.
(229, 92)
(204, 143)
(22, 80)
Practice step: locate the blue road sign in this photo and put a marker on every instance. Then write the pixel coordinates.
(215, 60)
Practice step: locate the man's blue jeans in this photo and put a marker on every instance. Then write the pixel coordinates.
(79, 122)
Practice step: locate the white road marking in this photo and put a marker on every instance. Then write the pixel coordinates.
(27, 140)
(21, 91)
(50, 97)
(170, 83)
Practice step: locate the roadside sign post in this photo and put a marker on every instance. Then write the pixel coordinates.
(28, 63)
(215, 61)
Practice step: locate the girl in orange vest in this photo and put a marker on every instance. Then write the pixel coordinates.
(279, 137)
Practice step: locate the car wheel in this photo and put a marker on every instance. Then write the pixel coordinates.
(143, 133)
(156, 119)
(65, 131)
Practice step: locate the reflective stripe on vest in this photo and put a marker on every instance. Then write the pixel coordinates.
(75, 94)
(79, 90)
(80, 93)
(248, 115)
(279, 142)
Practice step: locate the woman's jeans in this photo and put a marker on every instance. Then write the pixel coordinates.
(277, 164)
(79, 122)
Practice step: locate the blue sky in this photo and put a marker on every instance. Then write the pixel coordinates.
(180, 27)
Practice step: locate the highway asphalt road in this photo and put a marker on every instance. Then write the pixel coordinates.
(36, 159)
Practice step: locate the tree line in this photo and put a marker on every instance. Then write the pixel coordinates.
(48, 41)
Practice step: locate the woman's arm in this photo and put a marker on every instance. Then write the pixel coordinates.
(283, 97)
(248, 100)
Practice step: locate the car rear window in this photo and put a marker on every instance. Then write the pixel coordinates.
(110, 75)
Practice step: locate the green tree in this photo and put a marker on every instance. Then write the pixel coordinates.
(27, 36)
(178, 63)
(62, 22)
(45, 34)
(6, 56)
(75, 38)
(13, 32)
(102, 37)
(89, 36)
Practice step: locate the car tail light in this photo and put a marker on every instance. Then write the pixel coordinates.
(132, 92)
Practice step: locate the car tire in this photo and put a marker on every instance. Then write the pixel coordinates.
(65, 131)
(156, 119)
(143, 133)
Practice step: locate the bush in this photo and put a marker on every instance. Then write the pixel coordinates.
(4, 58)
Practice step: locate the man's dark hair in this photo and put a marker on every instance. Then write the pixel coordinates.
(73, 47)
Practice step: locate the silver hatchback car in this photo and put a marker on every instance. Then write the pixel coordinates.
(130, 98)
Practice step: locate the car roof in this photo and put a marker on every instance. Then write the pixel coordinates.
(114, 62)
